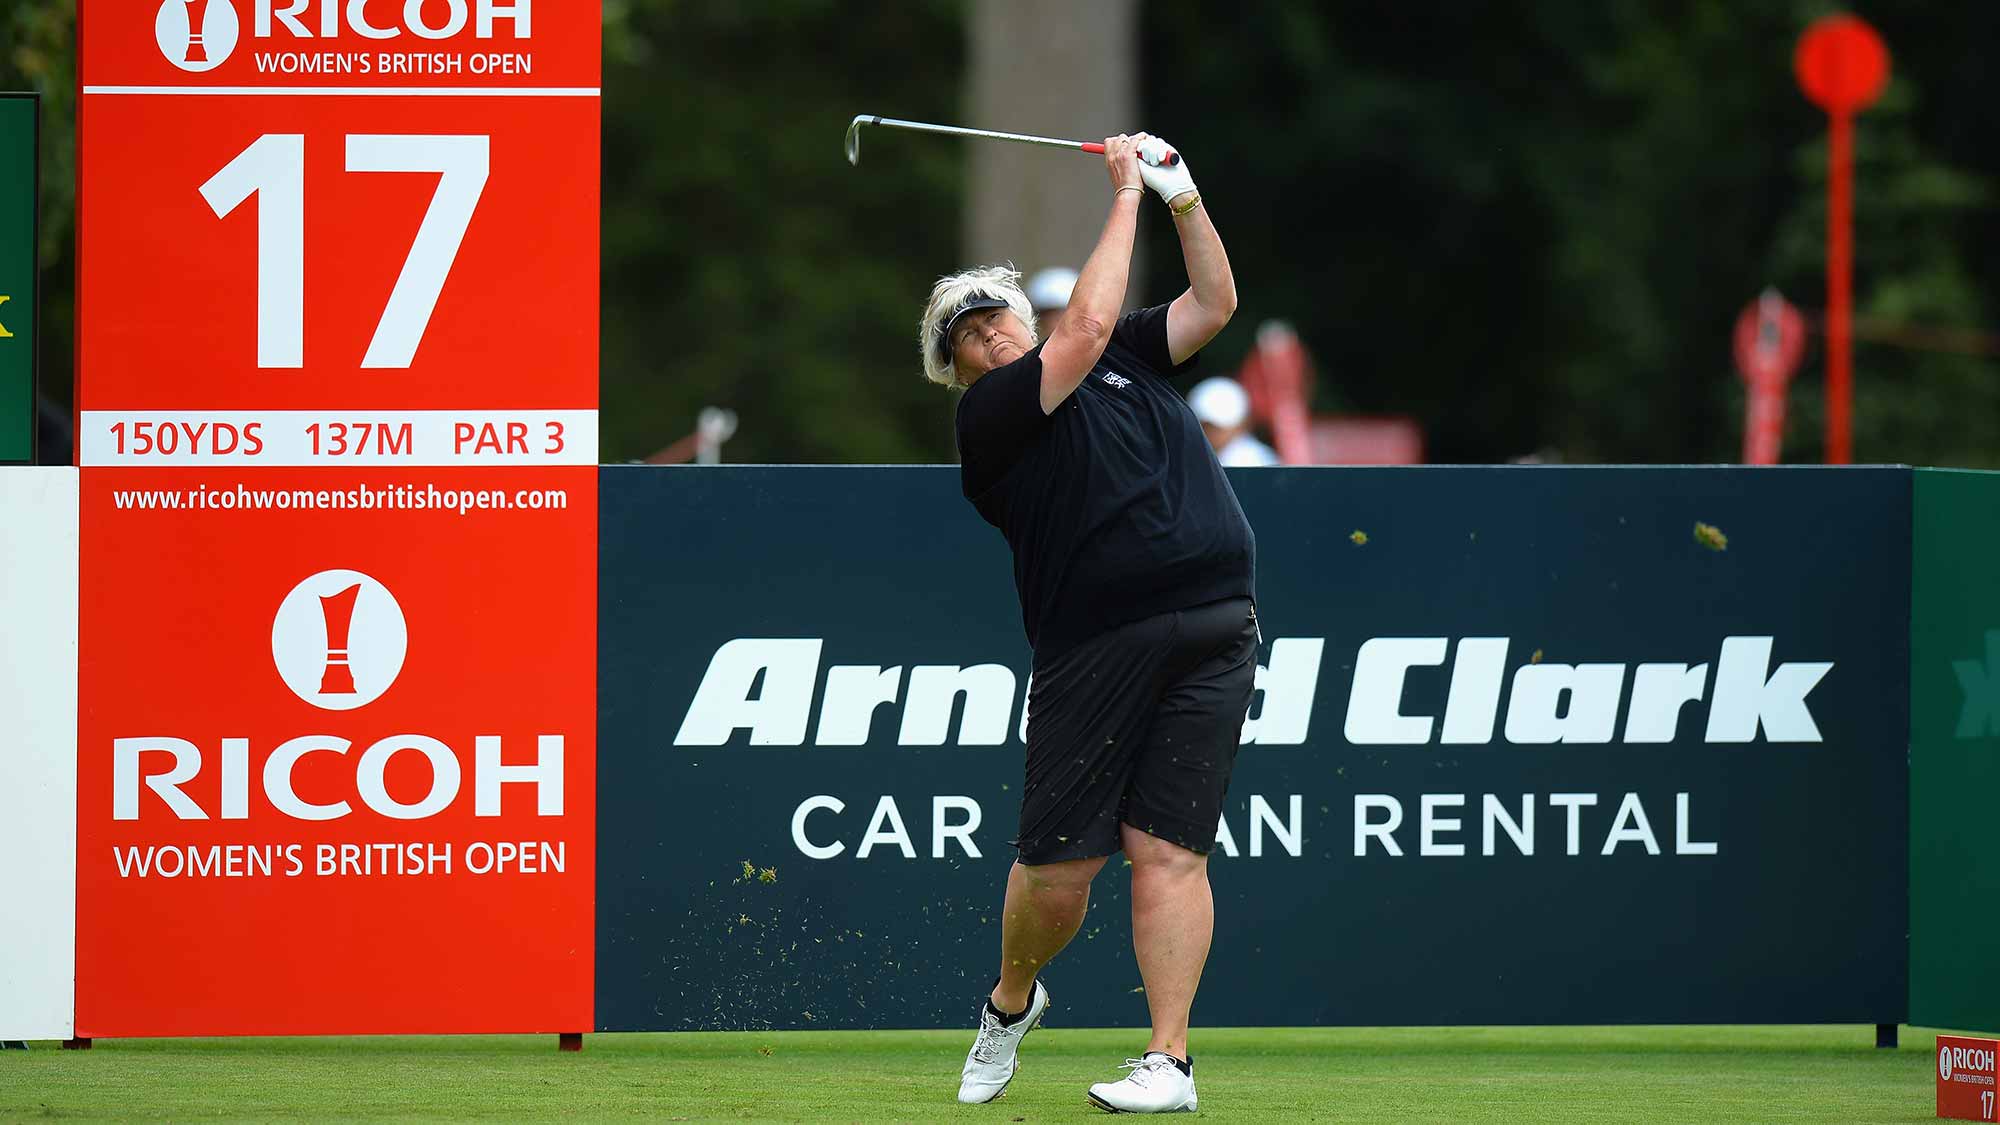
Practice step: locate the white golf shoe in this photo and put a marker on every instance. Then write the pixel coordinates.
(1155, 1085)
(995, 1055)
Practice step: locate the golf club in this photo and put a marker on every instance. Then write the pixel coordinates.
(854, 136)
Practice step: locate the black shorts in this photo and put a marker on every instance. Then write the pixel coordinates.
(1139, 726)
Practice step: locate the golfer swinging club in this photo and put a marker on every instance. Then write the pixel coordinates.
(1135, 568)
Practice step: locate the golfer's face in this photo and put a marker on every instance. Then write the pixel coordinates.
(987, 338)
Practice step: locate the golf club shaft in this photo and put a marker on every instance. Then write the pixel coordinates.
(958, 131)
(987, 134)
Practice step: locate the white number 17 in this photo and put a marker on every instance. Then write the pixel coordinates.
(274, 169)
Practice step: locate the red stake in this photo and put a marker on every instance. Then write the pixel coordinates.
(1840, 290)
(1842, 66)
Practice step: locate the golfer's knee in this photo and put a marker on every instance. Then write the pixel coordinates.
(1070, 876)
(1152, 856)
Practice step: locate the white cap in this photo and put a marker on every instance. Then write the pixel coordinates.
(1050, 289)
(1220, 402)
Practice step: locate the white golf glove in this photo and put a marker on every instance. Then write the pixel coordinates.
(1170, 180)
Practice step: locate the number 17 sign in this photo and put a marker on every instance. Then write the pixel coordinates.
(314, 204)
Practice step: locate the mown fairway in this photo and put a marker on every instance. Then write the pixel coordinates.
(1624, 1074)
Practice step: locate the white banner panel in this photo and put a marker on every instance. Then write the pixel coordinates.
(38, 596)
(338, 438)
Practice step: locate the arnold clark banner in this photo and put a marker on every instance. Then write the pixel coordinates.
(1527, 749)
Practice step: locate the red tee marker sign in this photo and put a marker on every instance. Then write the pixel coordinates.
(1842, 66)
(1770, 341)
(1966, 1078)
(337, 383)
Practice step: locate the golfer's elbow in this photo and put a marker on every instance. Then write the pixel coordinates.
(1216, 310)
(1217, 289)
(1085, 331)
(1222, 305)
(1086, 327)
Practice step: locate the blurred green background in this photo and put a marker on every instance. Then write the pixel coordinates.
(1529, 226)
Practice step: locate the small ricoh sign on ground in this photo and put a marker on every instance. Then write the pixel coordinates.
(1966, 1078)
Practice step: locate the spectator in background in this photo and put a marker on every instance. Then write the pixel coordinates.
(1048, 295)
(1224, 409)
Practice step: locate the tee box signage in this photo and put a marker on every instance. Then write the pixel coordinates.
(337, 402)
(1509, 759)
(1966, 1077)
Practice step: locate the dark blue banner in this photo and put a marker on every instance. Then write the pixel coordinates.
(1532, 745)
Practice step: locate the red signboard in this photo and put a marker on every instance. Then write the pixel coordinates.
(413, 252)
(1769, 342)
(337, 398)
(258, 237)
(337, 769)
(1358, 440)
(1966, 1077)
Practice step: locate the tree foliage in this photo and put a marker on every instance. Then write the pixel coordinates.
(745, 264)
(1533, 225)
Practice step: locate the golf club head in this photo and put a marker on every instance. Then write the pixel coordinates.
(854, 138)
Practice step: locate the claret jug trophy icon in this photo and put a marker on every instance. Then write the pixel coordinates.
(339, 612)
(197, 52)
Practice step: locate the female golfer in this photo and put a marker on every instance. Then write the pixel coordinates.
(1135, 569)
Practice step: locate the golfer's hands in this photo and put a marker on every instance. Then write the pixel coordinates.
(1121, 160)
(1171, 180)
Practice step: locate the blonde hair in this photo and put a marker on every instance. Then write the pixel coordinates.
(1002, 282)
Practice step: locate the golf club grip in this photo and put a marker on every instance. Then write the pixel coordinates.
(1173, 158)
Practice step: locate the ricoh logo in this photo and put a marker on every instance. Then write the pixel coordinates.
(328, 19)
(200, 35)
(339, 640)
(1970, 1060)
(766, 687)
(196, 35)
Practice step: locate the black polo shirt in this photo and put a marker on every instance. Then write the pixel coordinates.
(1115, 506)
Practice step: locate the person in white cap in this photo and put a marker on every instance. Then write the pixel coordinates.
(1048, 295)
(1224, 409)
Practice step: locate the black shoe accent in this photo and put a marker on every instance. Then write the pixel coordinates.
(1008, 1019)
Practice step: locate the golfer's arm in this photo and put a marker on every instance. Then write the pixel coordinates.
(1198, 314)
(1079, 338)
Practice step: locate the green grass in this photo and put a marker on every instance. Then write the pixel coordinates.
(1623, 1074)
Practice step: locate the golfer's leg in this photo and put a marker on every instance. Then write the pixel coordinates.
(1173, 920)
(1088, 713)
(1175, 802)
(1045, 907)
